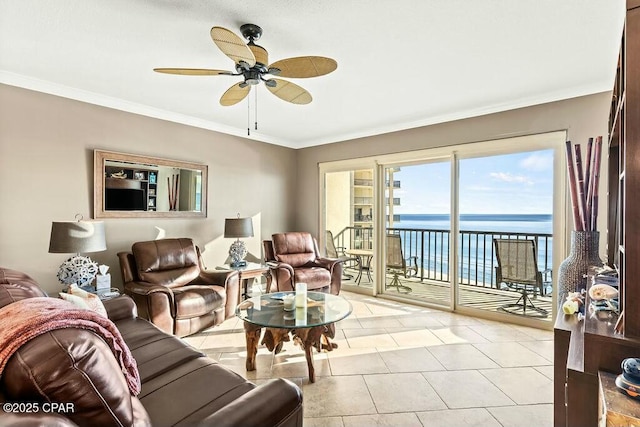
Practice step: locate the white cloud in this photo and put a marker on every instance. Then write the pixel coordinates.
(508, 177)
(537, 162)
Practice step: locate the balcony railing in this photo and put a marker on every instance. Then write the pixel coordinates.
(369, 201)
(369, 182)
(476, 260)
(363, 200)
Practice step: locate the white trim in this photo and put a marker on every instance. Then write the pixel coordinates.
(560, 95)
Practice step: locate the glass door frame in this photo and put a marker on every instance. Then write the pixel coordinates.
(508, 145)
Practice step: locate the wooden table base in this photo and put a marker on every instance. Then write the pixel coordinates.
(308, 338)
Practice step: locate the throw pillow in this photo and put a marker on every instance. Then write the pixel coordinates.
(84, 299)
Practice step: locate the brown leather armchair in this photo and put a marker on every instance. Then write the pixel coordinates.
(294, 258)
(167, 280)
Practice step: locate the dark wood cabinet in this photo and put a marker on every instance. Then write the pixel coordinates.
(624, 177)
(582, 349)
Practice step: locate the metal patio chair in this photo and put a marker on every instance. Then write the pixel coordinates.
(397, 264)
(518, 269)
(339, 253)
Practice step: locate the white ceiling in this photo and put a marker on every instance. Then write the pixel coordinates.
(401, 63)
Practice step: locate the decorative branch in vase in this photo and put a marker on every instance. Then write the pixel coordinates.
(583, 185)
(172, 184)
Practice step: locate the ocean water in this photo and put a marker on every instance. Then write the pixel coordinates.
(476, 258)
(513, 223)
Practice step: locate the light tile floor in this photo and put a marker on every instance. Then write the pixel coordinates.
(401, 365)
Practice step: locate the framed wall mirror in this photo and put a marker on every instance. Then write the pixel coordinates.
(131, 186)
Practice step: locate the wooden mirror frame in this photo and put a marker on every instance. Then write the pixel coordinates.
(99, 159)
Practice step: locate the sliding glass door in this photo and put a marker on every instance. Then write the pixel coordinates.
(505, 239)
(451, 226)
(417, 231)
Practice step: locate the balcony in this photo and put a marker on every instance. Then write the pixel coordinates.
(476, 264)
(363, 200)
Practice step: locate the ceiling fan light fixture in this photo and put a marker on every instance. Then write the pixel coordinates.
(252, 77)
(252, 63)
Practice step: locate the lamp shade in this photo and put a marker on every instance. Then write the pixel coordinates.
(77, 237)
(238, 227)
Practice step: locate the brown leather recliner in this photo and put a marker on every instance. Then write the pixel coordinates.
(294, 257)
(167, 280)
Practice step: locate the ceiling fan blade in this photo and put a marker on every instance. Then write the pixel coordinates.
(290, 92)
(193, 71)
(305, 66)
(232, 46)
(234, 94)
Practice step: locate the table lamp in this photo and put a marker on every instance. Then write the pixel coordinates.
(77, 237)
(238, 227)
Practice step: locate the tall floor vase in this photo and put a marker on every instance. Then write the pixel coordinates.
(584, 254)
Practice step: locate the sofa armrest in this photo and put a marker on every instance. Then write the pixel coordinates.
(146, 289)
(216, 277)
(275, 265)
(335, 268)
(277, 402)
(230, 280)
(328, 263)
(282, 276)
(155, 299)
(122, 307)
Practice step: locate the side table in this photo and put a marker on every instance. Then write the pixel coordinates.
(103, 294)
(248, 273)
(364, 262)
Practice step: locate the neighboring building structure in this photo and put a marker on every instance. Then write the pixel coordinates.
(350, 202)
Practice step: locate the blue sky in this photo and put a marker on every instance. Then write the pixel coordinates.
(507, 184)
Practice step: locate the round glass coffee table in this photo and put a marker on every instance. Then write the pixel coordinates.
(310, 326)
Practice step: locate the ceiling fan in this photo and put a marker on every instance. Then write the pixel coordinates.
(252, 63)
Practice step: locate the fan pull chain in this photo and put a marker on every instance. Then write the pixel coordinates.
(248, 115)
(256, 103)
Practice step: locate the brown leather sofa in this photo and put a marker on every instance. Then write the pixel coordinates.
(167, 280)
(294, 257)
(180, 386)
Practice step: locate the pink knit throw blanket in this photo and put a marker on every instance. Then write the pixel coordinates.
(25, 319)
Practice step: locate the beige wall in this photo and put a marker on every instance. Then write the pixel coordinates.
(46, 158)
(46, 174)
(582, 117)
